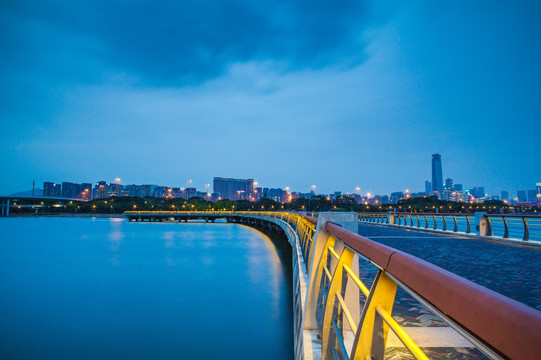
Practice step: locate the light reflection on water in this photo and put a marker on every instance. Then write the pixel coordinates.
(107, 288)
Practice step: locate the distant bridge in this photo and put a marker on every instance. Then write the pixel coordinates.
(5, 201)
(340, 312)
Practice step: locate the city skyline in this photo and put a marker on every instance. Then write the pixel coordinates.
(291, 94)
(231, 188)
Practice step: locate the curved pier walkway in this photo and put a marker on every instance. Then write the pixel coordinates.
(512, 270)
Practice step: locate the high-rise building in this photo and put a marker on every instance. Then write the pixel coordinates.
(478, 192)
(428, 187)
(145, 190)
(521, 195)
(448, 189)
(233, 189)
(505, 195)
(132, 190)
(532, 195)
(70, 190)
(190, 192)
(100, 190)
(437, 175)
(85, 191)
(51, 189)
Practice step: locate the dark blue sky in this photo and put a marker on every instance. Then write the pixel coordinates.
(338, 94)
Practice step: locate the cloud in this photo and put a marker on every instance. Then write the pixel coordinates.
(170, 42)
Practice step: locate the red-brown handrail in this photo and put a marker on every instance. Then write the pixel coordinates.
(509, 327)
(309, 218)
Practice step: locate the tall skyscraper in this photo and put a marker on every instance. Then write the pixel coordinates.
(437, 175)
(505, 195)
(233, 189)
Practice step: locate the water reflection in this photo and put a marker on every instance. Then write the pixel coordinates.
(116, 236)
(100, 288)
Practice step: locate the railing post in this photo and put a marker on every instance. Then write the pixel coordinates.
(335, 286)
(526, 229)
(391, 218)
(348, 220)
(505, 228)
(372, 334)
(481, 225)
(444, 223)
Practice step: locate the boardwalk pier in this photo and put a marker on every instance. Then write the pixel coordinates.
(331, 322)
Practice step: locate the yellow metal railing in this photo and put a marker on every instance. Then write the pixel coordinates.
(331, 256)
(348, 332)
(370, 332)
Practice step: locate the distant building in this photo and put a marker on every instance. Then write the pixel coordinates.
(190, 192)
(215, 197)
(51, 189)
(521, 195)
(233, 189)
(447, 189)
(101, 190)
(505, 195)
(146, 190)
(70, 190)
(437, 175)
(132, 190)
(85, 191)
(278, 195)
(396, 196)
(115, 190)
(532, 195)
(478, 192)
(458, 187)
(428, 187)
(457, 195)
(160, 191)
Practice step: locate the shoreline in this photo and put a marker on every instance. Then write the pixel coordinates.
(70, 215)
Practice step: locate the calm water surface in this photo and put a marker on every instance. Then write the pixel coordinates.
(105, 288)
